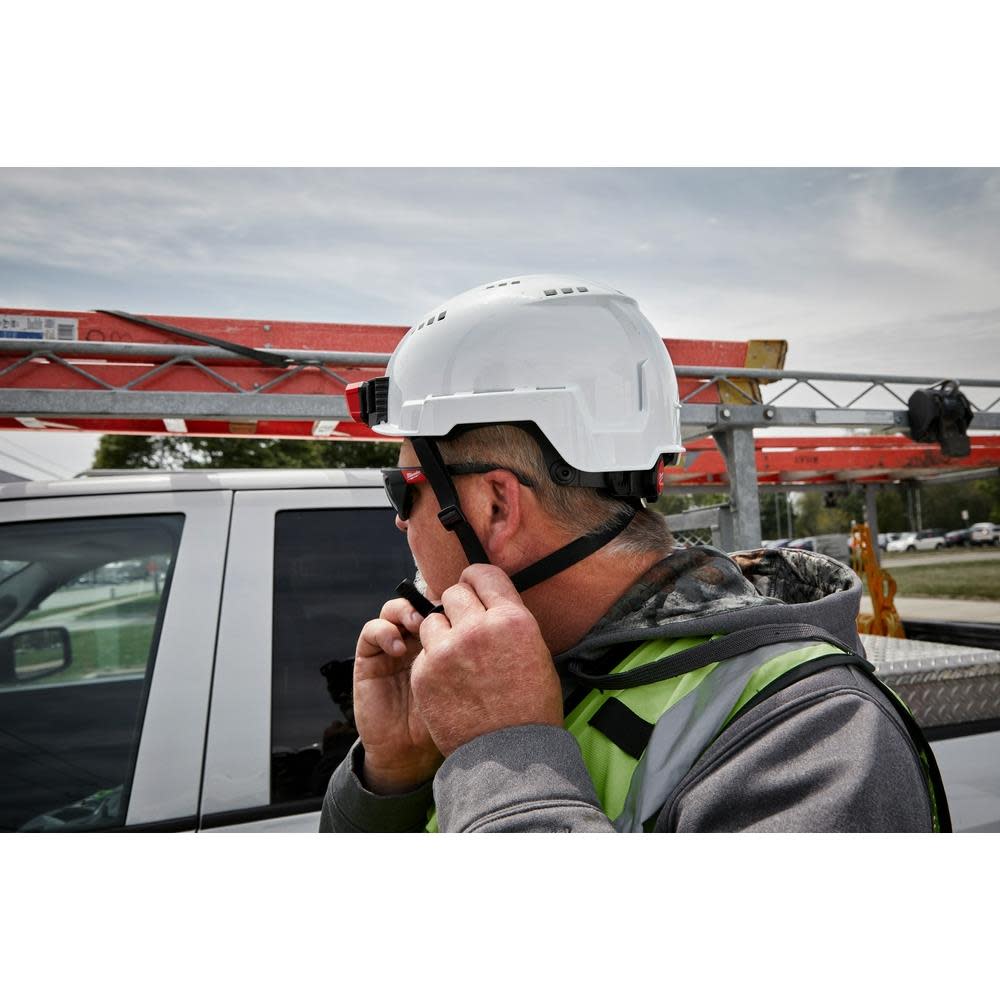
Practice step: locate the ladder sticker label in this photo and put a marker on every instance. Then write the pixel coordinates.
(59, 328)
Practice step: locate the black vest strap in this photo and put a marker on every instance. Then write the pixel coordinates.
(628, 731)
(803, 670)
(724, 648)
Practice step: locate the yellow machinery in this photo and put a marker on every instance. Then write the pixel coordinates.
(884, 619)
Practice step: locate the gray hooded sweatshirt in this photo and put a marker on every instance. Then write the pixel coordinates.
(826, 753)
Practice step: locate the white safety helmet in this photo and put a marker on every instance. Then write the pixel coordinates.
(576, 359)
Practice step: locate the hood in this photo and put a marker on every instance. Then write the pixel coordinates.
(702, 591)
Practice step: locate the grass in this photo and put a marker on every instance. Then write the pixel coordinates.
(115, 649)
(972, 580)
(105, 652)
(108, 638)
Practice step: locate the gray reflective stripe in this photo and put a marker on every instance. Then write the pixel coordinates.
(686, 728)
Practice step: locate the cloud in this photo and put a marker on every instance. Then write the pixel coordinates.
(822, 257)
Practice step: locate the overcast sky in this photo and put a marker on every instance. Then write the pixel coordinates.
(868, 270)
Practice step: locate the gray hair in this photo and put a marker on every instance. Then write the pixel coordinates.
(577, 510)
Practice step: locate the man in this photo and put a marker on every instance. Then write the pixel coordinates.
(554, 671)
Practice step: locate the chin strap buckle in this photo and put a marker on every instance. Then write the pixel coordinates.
(451, 517)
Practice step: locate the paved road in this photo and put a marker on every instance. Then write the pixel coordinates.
(939, 609)
(933, 558)
(98, 593)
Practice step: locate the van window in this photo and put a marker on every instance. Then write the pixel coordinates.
(333, 570)
(79, 617)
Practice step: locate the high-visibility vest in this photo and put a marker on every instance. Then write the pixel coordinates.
(638, 742)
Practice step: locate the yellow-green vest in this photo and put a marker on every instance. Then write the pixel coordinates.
(639, 743)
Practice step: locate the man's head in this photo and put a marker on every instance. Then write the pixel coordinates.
(564, 389)
(517, 511)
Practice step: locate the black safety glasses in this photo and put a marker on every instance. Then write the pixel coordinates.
(401, 482)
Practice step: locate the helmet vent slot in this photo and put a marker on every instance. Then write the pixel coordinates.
(438, 318)
(551, 291)
(567, 291)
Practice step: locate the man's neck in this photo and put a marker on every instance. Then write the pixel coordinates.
(568, 605)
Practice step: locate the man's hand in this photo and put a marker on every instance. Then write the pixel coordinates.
(399, 751)
(485, 666)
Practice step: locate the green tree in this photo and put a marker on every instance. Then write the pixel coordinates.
(989, 487)
(816, 513)
(677, 503)
(890, 506)
(774, 514)
(119, 451)
(942, 503)
(941, 506)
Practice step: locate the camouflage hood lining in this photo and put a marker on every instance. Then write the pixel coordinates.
(702, 591)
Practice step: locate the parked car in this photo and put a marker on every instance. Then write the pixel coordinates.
(984, 533)
(907, 541)
(834, 545)
(801, 543)
(918, 541)
(961, 536)
(885, 538)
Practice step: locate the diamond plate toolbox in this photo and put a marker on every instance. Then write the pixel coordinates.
(941, 684)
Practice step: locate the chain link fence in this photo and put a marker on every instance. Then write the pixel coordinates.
(703, 526)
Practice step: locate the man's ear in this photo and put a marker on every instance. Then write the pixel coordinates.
(501, 514)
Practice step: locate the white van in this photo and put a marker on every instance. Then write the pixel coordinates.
(176, 649)
(176, 652)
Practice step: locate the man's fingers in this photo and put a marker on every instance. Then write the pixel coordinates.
(402, 613)
(433, 629)
(460, 601)
(380, 636)
(491, 585)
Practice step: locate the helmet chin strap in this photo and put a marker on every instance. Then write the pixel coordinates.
(453, 518)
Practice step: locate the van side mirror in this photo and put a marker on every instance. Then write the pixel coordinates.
(34, 653)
